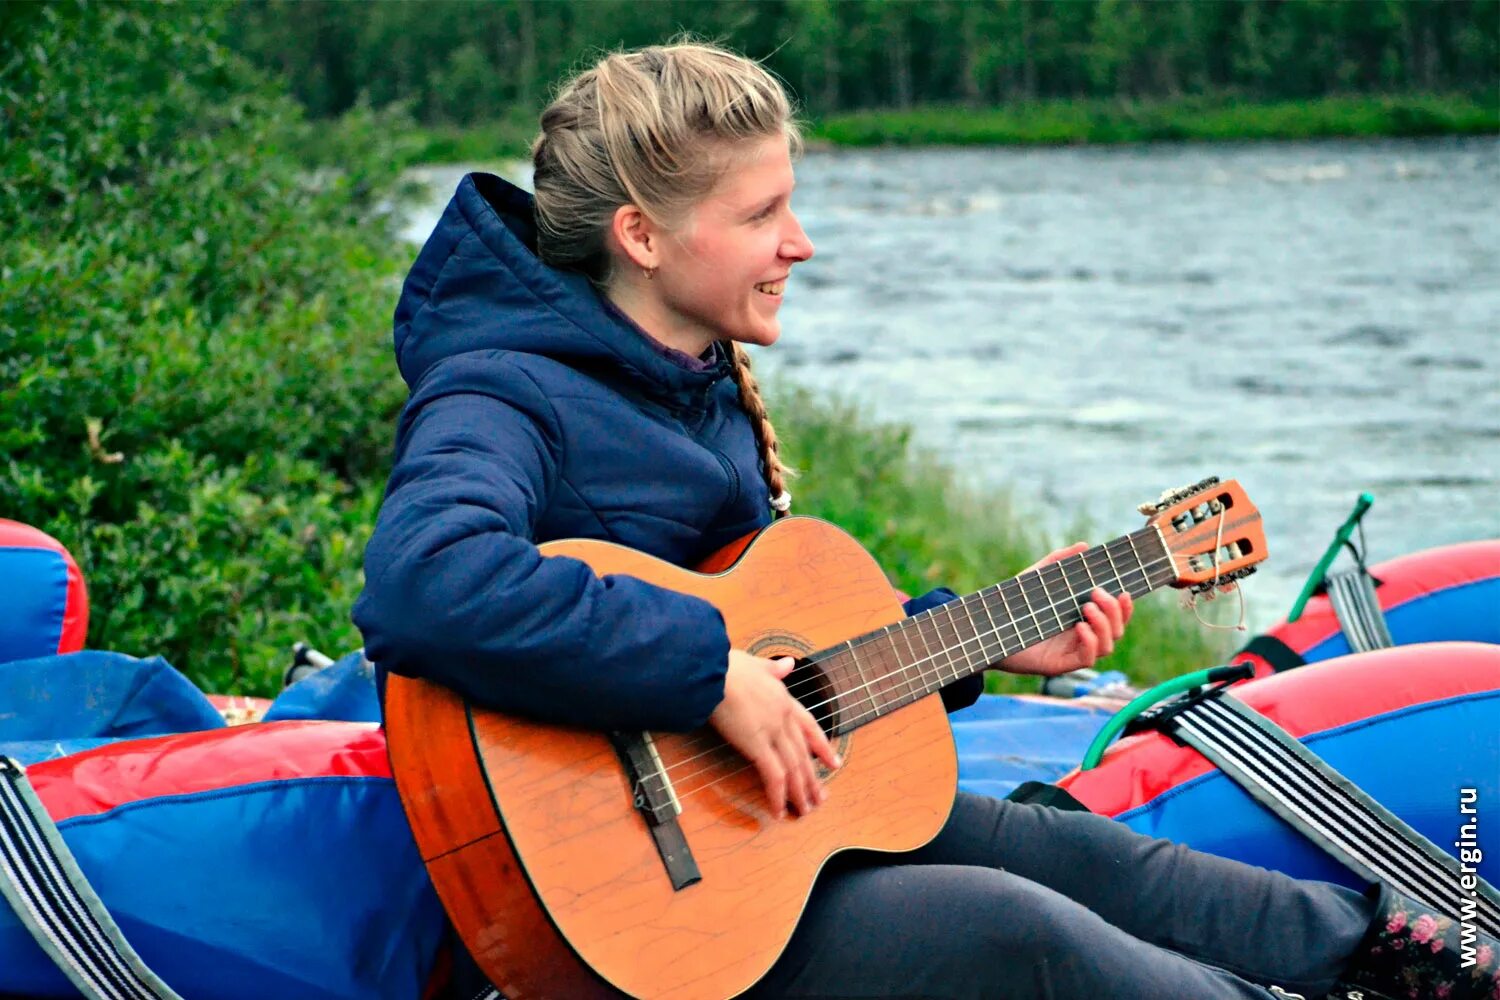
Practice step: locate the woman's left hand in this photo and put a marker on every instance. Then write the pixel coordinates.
(1104, 618)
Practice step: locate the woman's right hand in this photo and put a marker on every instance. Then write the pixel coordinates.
(760, 719)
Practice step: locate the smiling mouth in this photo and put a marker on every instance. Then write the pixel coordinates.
(771, 287)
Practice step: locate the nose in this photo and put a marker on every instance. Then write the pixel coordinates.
(796, 246)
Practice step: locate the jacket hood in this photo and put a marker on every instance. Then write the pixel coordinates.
(478, 285)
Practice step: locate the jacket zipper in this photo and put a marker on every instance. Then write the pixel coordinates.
(734, 476)
(699, 415)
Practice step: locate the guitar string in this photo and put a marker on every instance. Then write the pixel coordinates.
(1071, 603)
(1018, 623)
(1080, 562)
(717, 752)
(714, 743)
(799, 689)
(877, 710)
(749, 801)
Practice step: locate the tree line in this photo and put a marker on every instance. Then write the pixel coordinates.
(465, 62)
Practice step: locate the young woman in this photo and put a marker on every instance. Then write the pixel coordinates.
(577, 370)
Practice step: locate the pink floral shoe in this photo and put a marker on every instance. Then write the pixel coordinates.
(1413, 952)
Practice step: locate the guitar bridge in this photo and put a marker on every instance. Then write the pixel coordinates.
(658, 804)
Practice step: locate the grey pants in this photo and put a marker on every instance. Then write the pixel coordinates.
(1023, 902)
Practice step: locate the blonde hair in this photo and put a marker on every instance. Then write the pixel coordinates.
(657, 127)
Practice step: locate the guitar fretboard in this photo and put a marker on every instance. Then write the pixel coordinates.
(877, 673)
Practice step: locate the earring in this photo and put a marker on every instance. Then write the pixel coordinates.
(649, 272)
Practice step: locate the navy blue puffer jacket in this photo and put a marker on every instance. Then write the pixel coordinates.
(536, 413)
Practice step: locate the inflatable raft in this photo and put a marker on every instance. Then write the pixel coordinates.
(245, 862)
(1446, 593)
(274, 859)
(1416, 727)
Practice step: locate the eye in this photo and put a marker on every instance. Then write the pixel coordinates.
(764, 213)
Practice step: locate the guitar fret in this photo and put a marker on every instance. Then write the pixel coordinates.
(954, 647)
(1131, 540)
(1146, 581)
(1084, 562)
(1167, 573)
(1029, 618)
(1064, 607)
(913, 690)
(975, 657)
(1140, 563)
(1010, 618)
(1114, 569)
(932, 640)
(1045, 602)
(844, 685)
(884, 677)
(948, 639)
(955, 652)
(864, 684)
(892, 672)
(972, 648)
(1100, 580)
(1030, 611)
(994, 630)
(1079, 588)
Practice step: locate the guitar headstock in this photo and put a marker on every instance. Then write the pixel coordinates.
(1212, 532)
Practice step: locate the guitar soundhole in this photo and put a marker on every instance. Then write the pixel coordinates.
(811, 685)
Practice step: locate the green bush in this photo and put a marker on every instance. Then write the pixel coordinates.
(196, 393)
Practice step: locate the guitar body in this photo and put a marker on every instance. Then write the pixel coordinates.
(547, 867)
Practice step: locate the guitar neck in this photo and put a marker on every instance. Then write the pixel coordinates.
(877, 673)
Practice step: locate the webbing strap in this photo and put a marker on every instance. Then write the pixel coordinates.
(1275, 652)
(1329, 809)
(48, 891)
(1355, 604)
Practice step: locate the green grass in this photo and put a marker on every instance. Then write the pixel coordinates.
(506, 139)
(928, 528)
(1068, 122)
(1047, 123)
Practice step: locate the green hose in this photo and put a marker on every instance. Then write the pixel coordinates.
(1146, 699)
(1321, 569)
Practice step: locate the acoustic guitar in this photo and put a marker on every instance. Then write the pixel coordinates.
(586, 864)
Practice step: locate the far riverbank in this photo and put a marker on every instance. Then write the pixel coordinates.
(1058, 123)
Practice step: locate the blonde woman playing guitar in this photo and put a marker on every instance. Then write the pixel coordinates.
(629, 777)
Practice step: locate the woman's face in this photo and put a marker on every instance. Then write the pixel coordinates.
(722, 275)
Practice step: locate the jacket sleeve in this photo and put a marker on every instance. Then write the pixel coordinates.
(963, 692)
(456, 591)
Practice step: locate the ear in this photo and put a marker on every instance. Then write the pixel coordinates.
(638, 238)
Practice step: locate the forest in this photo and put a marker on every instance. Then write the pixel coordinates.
(460, 62)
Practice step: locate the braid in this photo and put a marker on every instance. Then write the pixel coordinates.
(765, 435)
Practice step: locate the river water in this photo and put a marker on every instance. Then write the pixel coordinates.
(1087, 327)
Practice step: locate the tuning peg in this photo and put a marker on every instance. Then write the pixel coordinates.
(1171, 497)
(1230, 577)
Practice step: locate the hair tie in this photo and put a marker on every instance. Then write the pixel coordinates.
(782, 502)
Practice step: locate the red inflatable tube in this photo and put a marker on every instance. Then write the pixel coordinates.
(1446, 593)
(1350, 689)
(54, 622)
